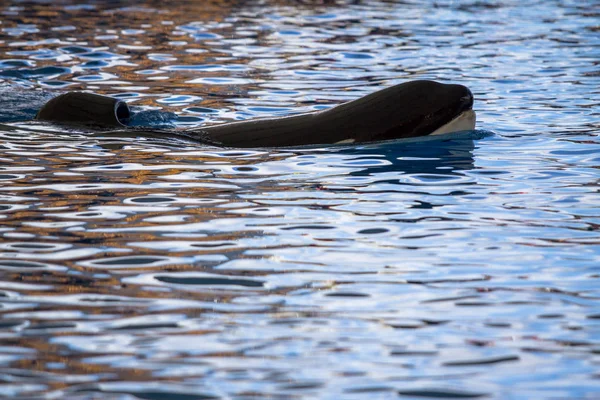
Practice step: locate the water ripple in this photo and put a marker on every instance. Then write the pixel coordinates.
(461, 266)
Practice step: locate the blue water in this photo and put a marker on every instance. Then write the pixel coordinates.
(153, 268)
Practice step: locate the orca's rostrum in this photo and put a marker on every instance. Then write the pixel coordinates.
(411, 109)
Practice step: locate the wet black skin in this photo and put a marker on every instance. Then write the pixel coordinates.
(410, 109)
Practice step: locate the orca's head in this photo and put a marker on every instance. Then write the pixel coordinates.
(427, 108)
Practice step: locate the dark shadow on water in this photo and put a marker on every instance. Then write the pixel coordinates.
(443, 155)
(20, 105)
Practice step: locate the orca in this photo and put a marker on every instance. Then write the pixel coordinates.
(407, 110)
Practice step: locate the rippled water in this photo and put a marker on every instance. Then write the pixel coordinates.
(152, 268)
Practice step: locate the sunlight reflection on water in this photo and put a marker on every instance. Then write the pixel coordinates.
(464, 266)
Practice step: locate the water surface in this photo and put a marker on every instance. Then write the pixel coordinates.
(149, 268)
